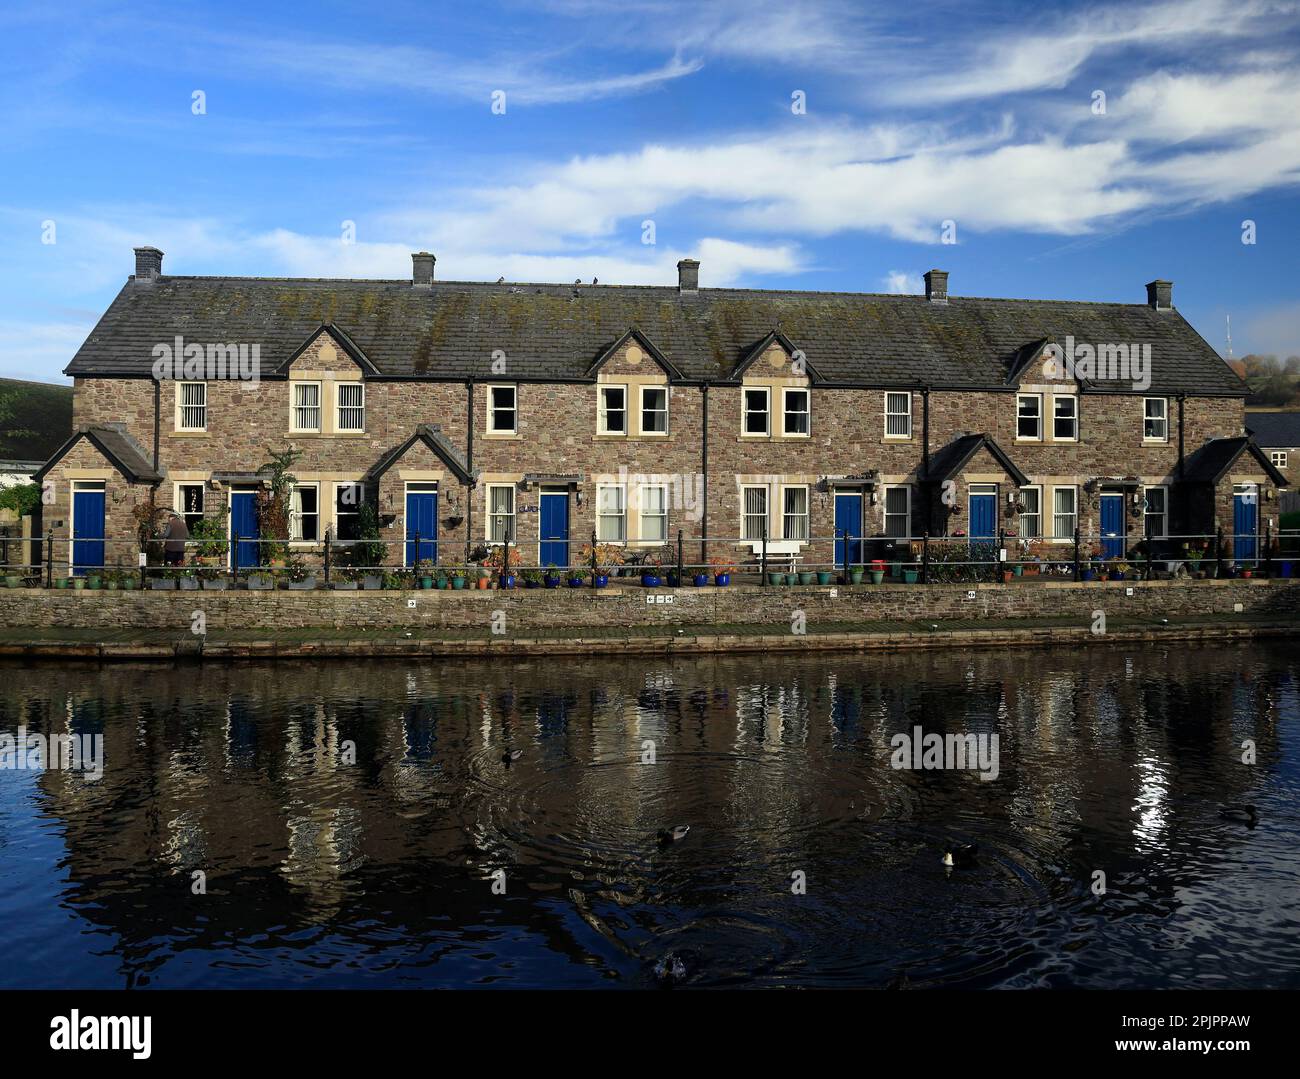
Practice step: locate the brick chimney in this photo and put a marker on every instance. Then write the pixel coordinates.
(936, 286)
(148, 264)
(688, 276)
(422, 269)
(1160, 295)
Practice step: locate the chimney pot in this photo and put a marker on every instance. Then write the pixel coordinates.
(1160, 295)
(148, 264)
(422, 269)
(688, 275)
(936, 286)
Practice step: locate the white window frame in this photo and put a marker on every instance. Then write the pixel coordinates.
(178, 499)
(603, 410)
(1163, 418)
(620, 516)
(361, 498)
(885, 515)
(746, 412)
(641, 411)
(339, 406)
(644, 514)
(806, 515)
(787, 412)
(181, 406)
(491, 517)
(763, 519)
(295, 407)
(1163, 514)
(1037, 398)
(1073, 515)
(1073, 399)
(893, 414)
(296, 517)
(1277, 458)
(493, 409)
(1037, 515)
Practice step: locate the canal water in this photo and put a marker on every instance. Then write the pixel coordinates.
(355, 824)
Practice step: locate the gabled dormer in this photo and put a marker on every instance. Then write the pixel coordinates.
(776, 381)
(1047, 407)
(633, 388)
(327, 390)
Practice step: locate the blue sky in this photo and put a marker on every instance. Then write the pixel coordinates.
(618, 113)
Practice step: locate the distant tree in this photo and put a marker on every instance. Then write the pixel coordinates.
(1273, 383)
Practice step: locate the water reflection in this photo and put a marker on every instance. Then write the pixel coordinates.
(349, 819)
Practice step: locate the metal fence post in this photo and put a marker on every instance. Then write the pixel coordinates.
(680, 567)
(593, 558)
(327, 557)
(1076, 554)
(234, 552)
(847, 541)
(1268, 548)
(1000, 572)
(762, 565)
(1218, 552)
(49, 559)
(925, 557)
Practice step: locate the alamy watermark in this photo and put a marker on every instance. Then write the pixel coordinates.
(1108, 363)
(212, 362)
(63, 752)
(919, 751)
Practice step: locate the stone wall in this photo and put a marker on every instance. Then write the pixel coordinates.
(588, 609)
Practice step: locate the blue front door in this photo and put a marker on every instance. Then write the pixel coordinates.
(1245, 524)
(983, 516)
(554, 528)
(87, 531)
(1112, 525)
(243, 523)
(421, 522)
(848, 523)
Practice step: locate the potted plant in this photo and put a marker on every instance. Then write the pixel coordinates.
(877, 571)
(109, 580)
(825, 576)
(94, 579)
(347, 581)
(212, 579)
(186, 581)
(424, 573)
(551, 577)
(301, 579)
(79, 584)
(260, 582)
(722, 571)
(577, 577)
(792, 578)
(910, 573)
(532, 578)
(1119, 570)
(700, 580)
(774, 577)
(457, 579)
(505, 565)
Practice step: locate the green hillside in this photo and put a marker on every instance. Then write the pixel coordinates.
(35, 419)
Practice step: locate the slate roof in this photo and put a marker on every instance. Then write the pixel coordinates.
(1210, 463)
(431, 435)
(1281, 429)
(117, 446)
(557, 332)
(952, 458)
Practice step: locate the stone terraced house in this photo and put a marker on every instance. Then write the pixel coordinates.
(468, 412)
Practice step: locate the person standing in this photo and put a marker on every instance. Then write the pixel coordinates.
(174, 540)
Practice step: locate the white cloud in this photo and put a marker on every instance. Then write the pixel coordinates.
(39, 351)
(1051, 56)
(902, 282)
